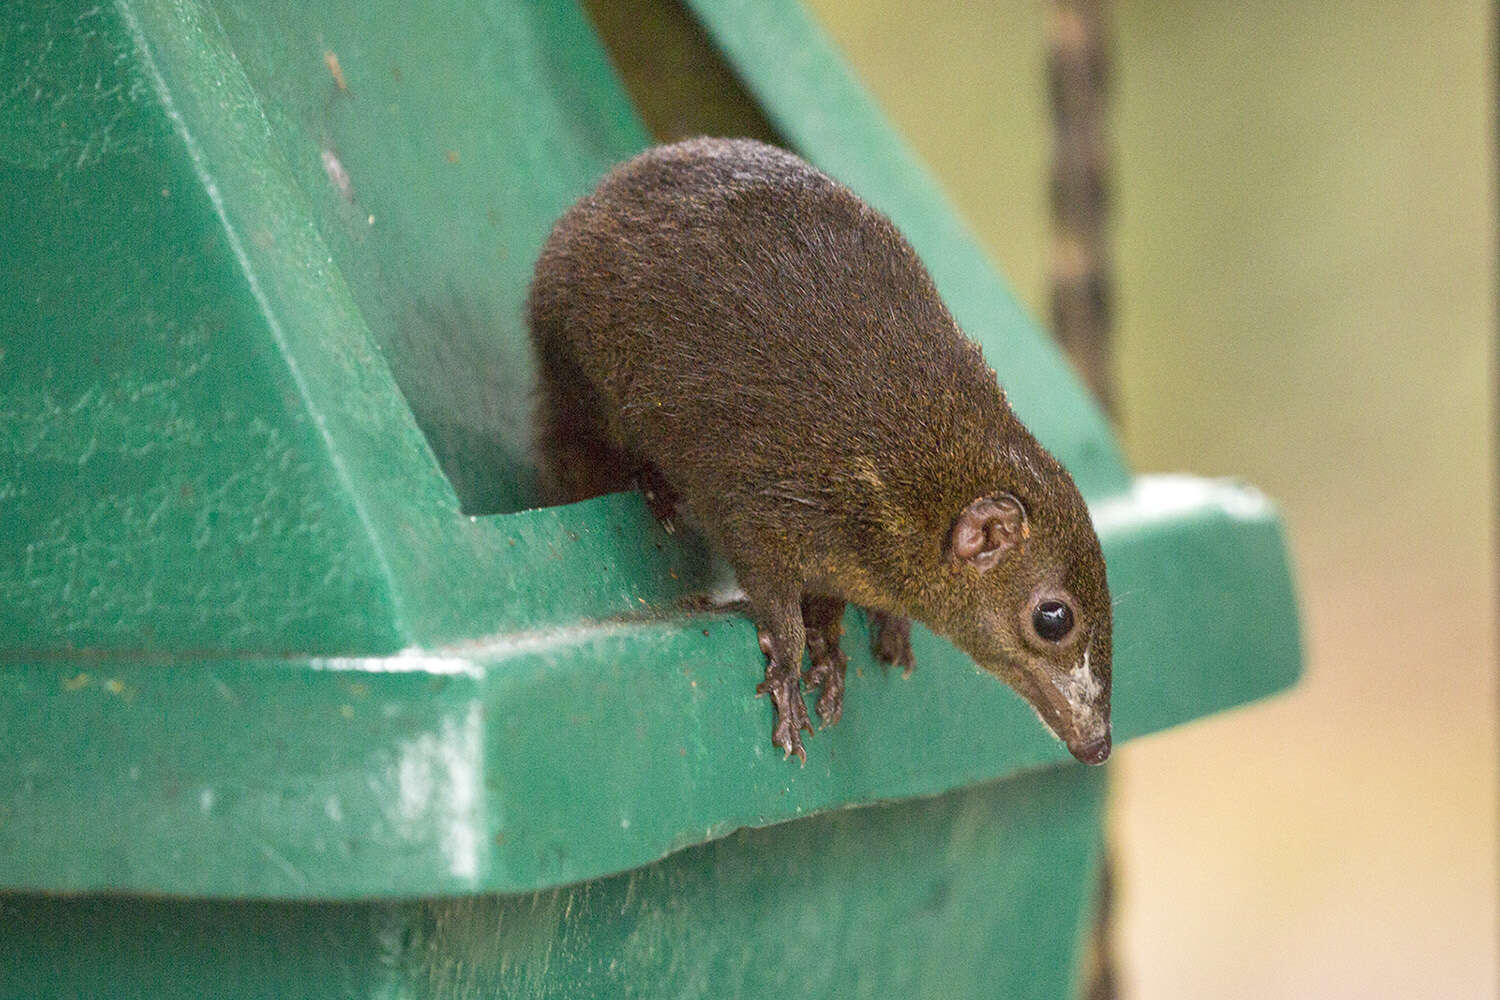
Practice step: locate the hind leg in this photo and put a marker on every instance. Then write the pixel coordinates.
(890, 640)
(576, 455)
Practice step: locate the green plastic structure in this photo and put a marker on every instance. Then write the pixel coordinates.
(299, 698)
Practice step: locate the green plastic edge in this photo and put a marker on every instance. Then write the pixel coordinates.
(544, 758)
(895, 900)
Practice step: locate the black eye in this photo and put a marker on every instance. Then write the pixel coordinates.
(1053, 620)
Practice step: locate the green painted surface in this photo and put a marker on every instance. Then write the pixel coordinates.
(156, 468)
(260, 367)
(944, 897)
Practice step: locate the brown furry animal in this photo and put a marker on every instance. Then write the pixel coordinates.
(751, 342)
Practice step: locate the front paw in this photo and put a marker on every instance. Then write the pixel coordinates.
(785, 689)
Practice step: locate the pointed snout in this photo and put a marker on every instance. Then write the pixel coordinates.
(1095, 751)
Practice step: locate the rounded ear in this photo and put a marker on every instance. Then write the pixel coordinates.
(987, 529)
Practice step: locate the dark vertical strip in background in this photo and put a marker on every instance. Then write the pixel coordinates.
(1081, 291)
(1078, 77)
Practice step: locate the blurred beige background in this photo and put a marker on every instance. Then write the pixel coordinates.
(1306, 231)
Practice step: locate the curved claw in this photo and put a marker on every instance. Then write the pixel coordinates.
(785, 689)
(788, 739)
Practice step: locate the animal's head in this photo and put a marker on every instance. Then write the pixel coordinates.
(1036, 609)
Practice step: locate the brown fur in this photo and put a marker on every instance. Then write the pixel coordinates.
(766, 348)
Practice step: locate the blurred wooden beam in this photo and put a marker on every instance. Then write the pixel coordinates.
(1080, 273)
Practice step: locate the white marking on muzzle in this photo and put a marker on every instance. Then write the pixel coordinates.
(1081, 687)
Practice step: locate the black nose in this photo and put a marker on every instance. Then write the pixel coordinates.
(1093, 752)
